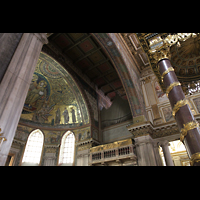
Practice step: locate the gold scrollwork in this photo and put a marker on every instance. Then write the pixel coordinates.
(178, 105)
(195, 158)
(170, 69)
(171, 86)
(2, 138)
(112, 145)
(187, 127)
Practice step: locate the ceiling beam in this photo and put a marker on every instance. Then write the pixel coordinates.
(75, 44)
(86, 55)
(94, 66)
(54, 36)
(103, 74)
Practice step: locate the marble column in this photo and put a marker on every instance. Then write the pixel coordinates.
(166, 152)
(15, 84)
(183, 115)
(157, 154)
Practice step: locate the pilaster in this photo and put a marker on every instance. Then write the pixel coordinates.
(15, 85)
(145, 151)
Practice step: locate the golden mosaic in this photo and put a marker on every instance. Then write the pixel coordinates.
(53, 98)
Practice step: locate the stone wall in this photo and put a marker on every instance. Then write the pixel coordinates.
(116, 132)
(8, 44)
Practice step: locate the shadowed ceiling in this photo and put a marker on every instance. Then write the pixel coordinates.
(89, 57)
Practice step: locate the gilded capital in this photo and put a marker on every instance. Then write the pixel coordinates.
(160, 53)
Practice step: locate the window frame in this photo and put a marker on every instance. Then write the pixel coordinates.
(33, 163)
(60, 157)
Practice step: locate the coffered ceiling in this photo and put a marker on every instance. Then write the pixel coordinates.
(90, 58)
(135, 48)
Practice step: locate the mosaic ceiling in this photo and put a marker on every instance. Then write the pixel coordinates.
(53, 98)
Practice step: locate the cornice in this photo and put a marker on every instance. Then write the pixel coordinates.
(155, 131)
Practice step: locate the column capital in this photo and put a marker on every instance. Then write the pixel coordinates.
(156, 144)
(161, 53)
(42, 37)
(164, 143)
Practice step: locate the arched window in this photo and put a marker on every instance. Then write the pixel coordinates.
(33, 150)
(67, 149)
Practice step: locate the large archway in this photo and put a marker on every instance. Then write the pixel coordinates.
(129, 77)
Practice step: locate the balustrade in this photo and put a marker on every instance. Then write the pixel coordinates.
(113, 151)
(96, 156)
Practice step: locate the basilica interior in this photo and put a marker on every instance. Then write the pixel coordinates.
(97, 99)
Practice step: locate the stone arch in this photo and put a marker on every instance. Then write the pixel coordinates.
(133, 90)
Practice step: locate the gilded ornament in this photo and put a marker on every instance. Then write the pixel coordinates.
(195, 158)
(178, 105)
(111, 145)
(2, 139)
(171, 86)
(187, 127)
(171, 39)
(170, 69)
(161, 53)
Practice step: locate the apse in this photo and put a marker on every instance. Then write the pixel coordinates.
(53, 100)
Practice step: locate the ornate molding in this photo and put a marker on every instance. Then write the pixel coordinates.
(141, 129)
(86, 144)
(157, 131)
